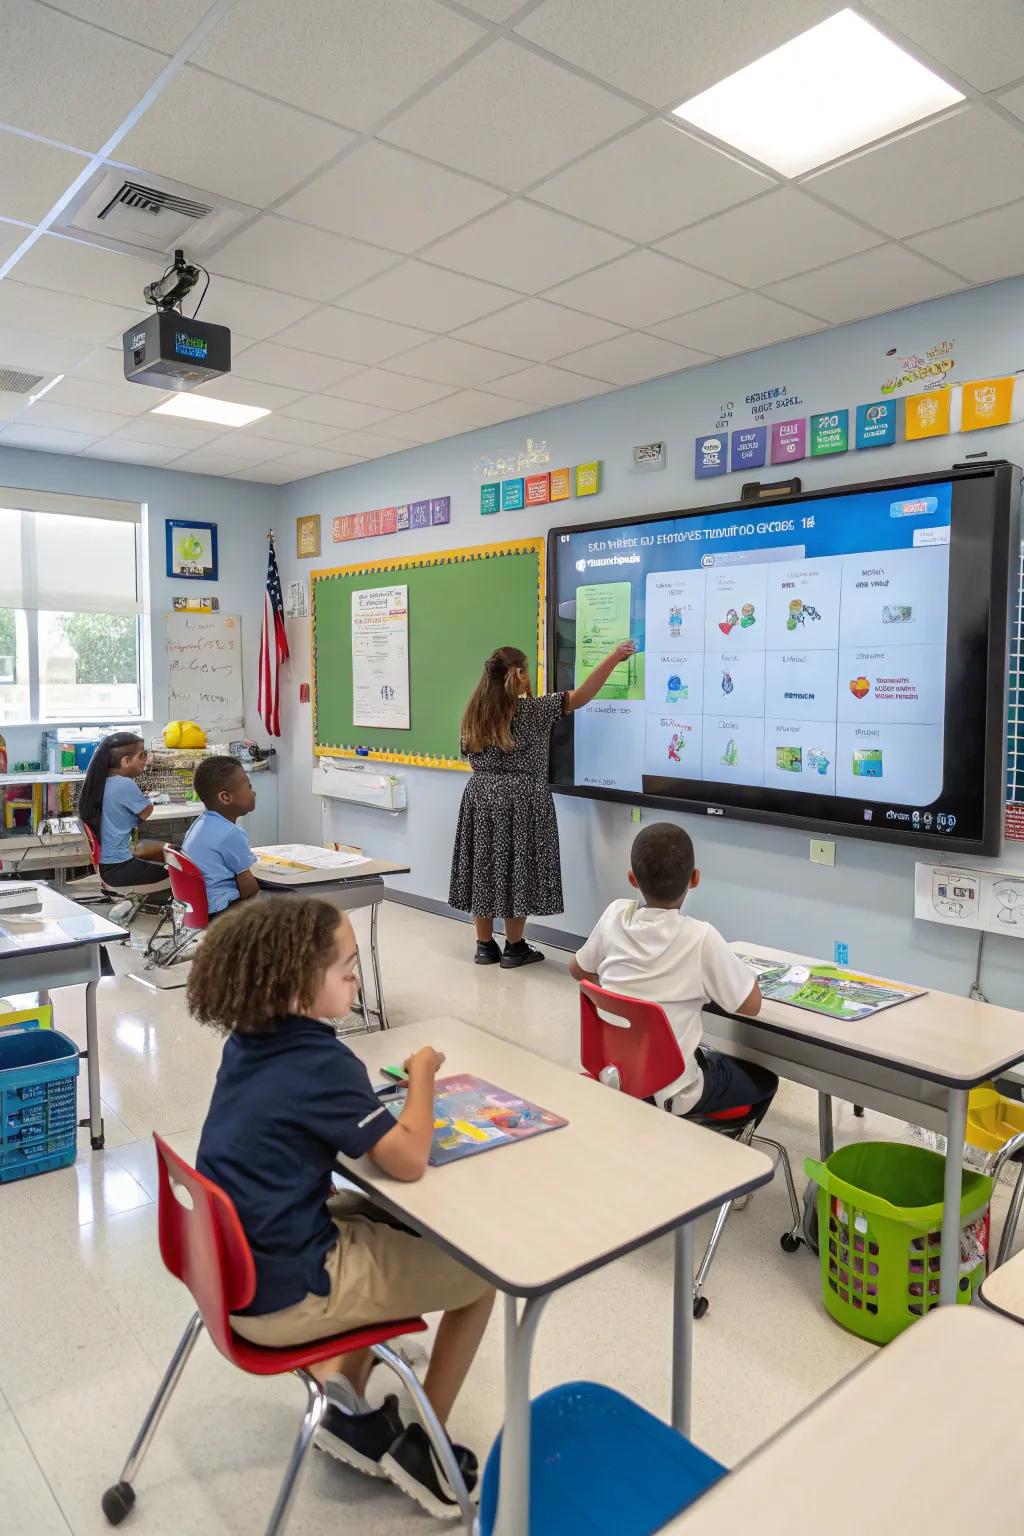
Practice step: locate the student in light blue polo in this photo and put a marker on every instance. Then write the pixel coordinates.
(216, 843)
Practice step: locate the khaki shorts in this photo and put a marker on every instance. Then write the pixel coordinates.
(378, 1273)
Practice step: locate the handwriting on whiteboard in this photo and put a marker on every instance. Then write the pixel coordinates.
(204, 669)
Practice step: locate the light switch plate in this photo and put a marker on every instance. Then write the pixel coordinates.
(823, 852)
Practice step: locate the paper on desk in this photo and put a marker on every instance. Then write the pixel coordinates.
(307, 856)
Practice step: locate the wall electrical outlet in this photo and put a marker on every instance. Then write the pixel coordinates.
(823, 852)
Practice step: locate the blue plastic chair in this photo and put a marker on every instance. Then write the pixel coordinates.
(600, 1463)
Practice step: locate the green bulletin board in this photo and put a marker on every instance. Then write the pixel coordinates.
(463, 604)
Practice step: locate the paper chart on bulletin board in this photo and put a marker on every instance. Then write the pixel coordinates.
(204, 670)
(462, 605)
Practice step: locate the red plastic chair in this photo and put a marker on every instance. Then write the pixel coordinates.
(191, 912)
(636, 1051)
(203, 1245)
(139, 896)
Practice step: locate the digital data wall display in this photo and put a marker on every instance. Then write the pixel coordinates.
(834, 660)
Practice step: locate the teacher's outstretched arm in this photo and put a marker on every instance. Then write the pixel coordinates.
(591, 686)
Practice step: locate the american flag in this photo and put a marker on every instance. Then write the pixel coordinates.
(273, 647)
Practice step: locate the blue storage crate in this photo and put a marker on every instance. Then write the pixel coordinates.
(38, 1096)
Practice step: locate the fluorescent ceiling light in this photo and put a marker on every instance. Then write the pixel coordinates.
(831, 90)
(204, 408)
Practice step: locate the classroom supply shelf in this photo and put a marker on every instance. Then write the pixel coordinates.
(879, 1224)
(38, 1096)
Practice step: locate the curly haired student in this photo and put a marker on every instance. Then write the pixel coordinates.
(289, 1096)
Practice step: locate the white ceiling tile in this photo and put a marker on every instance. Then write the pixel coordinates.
(662, 51)
(332, 412)
(248, 447)
(206, 461)
(219, 138)
(1013, 101)
(11, 236)
(33, 176)
(65, 266)
(117, 400)
(158, 26)
(390, 198)
(31, 350)
(294, 258)
(169, 432)
(269, 397)
(537, 330)
(737, 325)
(349, 60)
(256, 312)
(476, 408)
(445, 361)
(265, 474)
(117, 449)
(944, 170)
(510, 117)
(71, 418)
(526, 247)
(369, 445)
(375, 386)
(984, 45)
(356, 338)
(494, 10)
(269, 363)
(65, 80)
(434, 298)
(311, 461)
(287, 429)
(640, 289)
(105, 365)
(62, 315)
(10, 404)
(769, 239)
(630, 359)
(548, 386)
(982, 249)
(651, 181)
(420, 428)
(872, 283)
(44, 439)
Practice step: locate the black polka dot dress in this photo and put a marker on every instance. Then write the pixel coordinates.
(506, 860)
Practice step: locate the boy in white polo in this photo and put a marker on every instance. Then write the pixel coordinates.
(651, 950)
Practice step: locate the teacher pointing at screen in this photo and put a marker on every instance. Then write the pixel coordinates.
(506, 862)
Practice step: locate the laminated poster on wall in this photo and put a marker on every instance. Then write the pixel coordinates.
(985, 900)
(380, 657)
(204, 670)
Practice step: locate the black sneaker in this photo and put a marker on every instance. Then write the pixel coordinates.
(519, 954)
(412, 1465)
(360, 1440)
(487, 954)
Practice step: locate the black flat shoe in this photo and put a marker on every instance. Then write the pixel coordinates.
(412, 1465)
(487, 954)
(360, 1440)
(519, 954)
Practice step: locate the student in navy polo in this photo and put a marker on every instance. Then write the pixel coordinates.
(289, 1095)
(215, 842)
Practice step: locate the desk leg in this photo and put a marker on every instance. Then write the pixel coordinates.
(826, 1134)
(381, 1011)
(956, 1130)
(682, 1329)
(513, 1518)
(92, 1062)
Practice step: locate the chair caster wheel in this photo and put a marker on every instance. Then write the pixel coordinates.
(789, 1242)
(700, 1306)
(118, 1501)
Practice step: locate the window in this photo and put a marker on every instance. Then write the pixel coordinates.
(70, 609)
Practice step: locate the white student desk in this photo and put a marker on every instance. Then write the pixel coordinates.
(348, 888)
(1003, 1289)
(60, 947)
(916, 1061)
(889, 1450)
(531, 1218)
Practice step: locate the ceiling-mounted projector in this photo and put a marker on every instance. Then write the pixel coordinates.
(167, 350)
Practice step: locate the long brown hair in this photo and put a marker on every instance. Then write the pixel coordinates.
(487, 721)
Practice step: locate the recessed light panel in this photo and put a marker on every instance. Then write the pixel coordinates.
(225, 413)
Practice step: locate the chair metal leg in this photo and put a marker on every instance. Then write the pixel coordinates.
(1012, 1217)
(705, 1263)
(172, 1376)
(315, 1404)
(783, 1159)
(746, 1136)
(431, 1423)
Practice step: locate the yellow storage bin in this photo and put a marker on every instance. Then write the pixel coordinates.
(992, 1119)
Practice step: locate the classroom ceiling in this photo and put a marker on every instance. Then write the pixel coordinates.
(446, 214)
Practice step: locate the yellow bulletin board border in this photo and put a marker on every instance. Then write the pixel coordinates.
(537, 547)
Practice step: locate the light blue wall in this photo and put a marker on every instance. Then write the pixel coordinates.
(758, 881)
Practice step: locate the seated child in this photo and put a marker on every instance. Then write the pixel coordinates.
(652, 951)
(289, 1095)
(112, 805)
(215, 842)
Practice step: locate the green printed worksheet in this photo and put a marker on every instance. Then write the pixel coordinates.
(602, 622)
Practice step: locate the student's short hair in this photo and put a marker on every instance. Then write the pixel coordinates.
(662, 859)
(213, 775)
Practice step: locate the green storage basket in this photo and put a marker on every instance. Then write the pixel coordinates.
(880, 1235)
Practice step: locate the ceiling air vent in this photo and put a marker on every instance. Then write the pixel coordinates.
(154, 201)
(142, 214)
(14, 381)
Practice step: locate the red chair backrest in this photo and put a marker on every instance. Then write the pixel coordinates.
(94, 845)
(203, 1245)
(188, 887)
(643, 1047)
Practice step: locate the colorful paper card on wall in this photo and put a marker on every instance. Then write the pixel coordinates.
(402, 519)
(490, 499)
(307, 536)
(830, 433)
(927, 415)
(588, 479)
(749, 446)
(789, 441)
(366, 525)
(538, 490)
(511, 495)
(986, 403)
(876, 424)
(440, 511)
(709, 456)
(419, 514)
(561, 485)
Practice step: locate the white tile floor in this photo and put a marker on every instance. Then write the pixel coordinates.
(89, 1316)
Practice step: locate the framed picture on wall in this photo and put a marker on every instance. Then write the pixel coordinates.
(307, 536)
(191, 550)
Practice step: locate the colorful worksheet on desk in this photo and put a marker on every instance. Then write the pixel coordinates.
(471, 1115)
(827, 989)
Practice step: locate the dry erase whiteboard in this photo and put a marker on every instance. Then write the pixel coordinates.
(204, 670)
